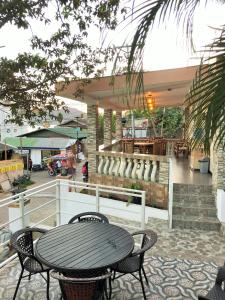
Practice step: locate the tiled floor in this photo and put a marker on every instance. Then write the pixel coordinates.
(169, 279)
(184, 243)
(181, 265)
(182, 173)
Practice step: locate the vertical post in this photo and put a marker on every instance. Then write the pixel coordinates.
(27, 163)
(5, 151)
(107, 127)
(170, 204)
(132, 124)
(21, 146)
(58, 208)
(21, 203)
(119, 129)
(92, 139)
(97, 198)
(143, 195)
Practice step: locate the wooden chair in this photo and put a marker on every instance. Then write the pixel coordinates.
(128, 146)
(181, 147)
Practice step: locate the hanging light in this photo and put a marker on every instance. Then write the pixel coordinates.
(150, 101)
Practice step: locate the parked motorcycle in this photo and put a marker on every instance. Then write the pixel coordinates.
(53, 170)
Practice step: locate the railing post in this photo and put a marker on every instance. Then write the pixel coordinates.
(97, 198)
(58, 208)
(143, 194)
(21, 205)
(170, 204)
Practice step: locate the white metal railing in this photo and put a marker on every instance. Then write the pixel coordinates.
(170, 202)
(133, 166)
(65, 200)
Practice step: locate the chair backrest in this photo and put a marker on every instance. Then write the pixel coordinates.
(81, 288)
(149, 238)
(22, 241)
(89, 217)
(217, 292)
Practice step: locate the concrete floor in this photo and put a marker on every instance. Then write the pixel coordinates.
(182, 173)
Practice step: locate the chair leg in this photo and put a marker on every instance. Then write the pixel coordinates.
(145, 275)
(18, 283)
(142, 285)
(48, 283)
(114, 275)
(110, 288)
(29, 276)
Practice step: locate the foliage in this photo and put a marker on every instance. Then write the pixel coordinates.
(101, 126)
(206, 98)
(169, 123)
(134, 186)
(27, 82)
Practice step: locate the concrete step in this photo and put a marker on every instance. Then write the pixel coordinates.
(196, 210)
(196, 223)
(194, 189)
(200, 199)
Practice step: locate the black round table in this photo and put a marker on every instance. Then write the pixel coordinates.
(84, 246)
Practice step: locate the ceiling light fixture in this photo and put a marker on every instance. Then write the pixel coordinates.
(150, 101)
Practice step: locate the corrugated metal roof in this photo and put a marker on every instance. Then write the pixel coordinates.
(39, 143)
(74, 133)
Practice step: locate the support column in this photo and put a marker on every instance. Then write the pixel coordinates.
(107, 127)
(92, 136)
(119, 133)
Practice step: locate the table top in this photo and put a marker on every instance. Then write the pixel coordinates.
(84, 246)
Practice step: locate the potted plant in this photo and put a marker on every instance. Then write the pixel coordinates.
(134, 199)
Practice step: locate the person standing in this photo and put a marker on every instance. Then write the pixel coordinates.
(30, 164)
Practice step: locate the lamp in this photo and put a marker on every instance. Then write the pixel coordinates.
(150, 101)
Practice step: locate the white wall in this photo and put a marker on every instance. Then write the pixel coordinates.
(220, 203)
(35, 155)
(74, 203)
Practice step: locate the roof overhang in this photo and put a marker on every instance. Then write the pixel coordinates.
(168, 87)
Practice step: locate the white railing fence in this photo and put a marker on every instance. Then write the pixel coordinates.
(54, 203)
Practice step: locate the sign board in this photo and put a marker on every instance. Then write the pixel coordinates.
(22, 152)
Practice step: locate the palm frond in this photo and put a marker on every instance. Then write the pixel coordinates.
(157, 12)
(206, 98)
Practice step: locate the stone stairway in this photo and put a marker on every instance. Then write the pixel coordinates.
(194, 207)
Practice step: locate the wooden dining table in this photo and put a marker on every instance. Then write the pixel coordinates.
(84, 247)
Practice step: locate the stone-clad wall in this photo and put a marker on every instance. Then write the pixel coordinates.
(164, 172)
(107, 127)
(92, 136)
(156, 194)
(219, 169)
(119, 125)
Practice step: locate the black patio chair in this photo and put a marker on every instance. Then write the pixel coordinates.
(22, 241)
(89, 217)
(134, 263)
(89, 288)
(218, 290)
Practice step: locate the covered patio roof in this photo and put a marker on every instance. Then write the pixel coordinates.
(168, 87)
